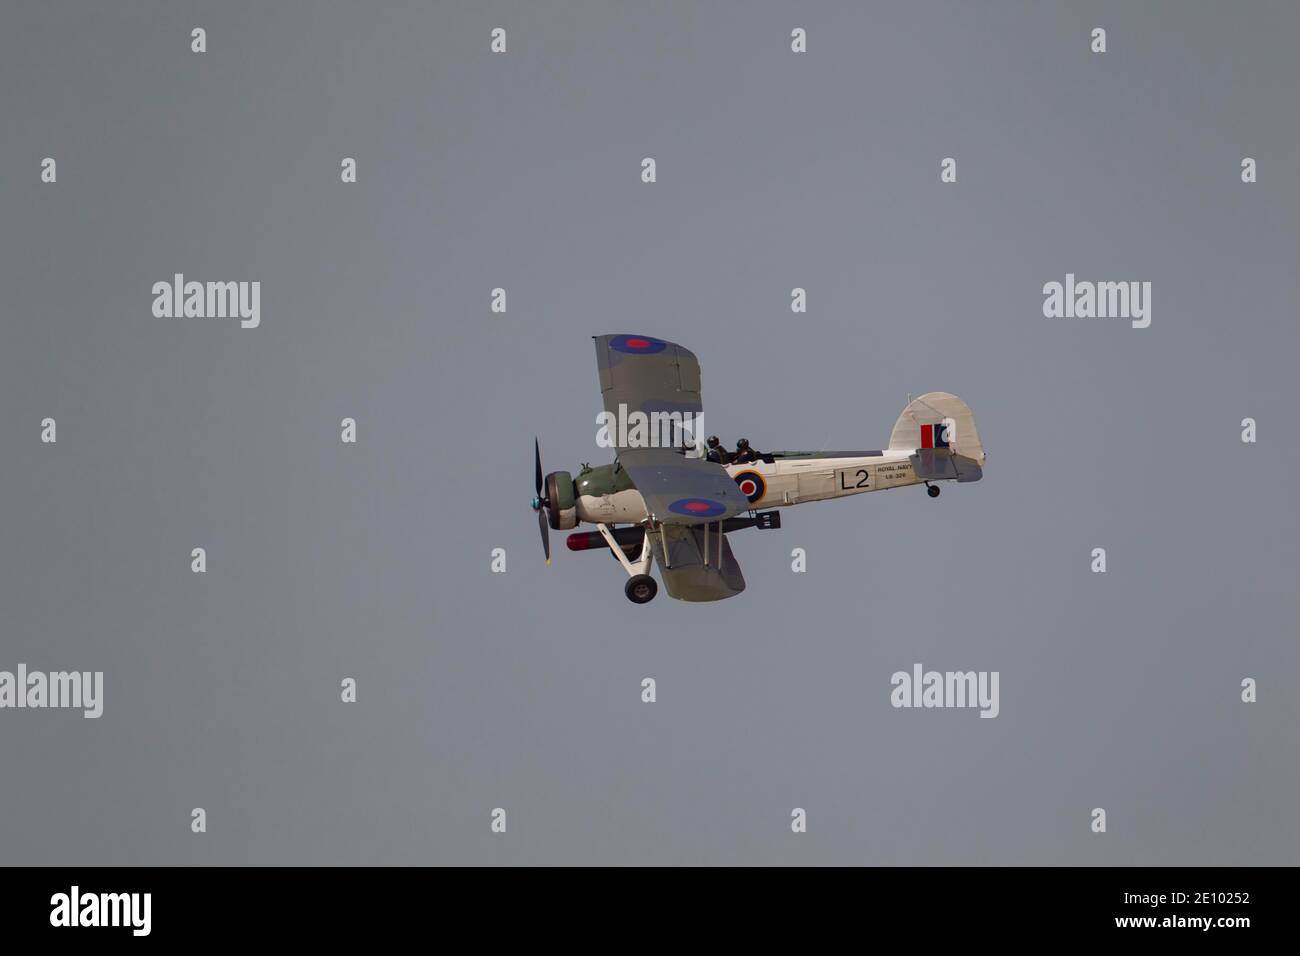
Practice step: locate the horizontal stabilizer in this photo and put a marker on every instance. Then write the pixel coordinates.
(935, 464)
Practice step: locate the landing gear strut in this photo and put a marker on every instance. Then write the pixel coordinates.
(641, 589)
(932, 490)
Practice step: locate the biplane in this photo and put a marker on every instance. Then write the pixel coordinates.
(661, 501)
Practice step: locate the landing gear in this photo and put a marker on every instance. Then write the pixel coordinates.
(641, 589)
(932, 490)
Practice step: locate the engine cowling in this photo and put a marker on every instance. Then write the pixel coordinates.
(561, 509)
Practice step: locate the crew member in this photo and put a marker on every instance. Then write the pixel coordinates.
(744, 453)
(716, 452)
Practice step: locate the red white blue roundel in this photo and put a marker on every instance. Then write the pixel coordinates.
(751, 485)
(697, 507)
(637, 344)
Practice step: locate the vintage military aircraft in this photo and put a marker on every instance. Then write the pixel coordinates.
(677, 508)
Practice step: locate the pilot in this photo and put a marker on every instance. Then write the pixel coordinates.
(743, 452)
(716, 452)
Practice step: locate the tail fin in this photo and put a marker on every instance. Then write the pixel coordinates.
(938, 420)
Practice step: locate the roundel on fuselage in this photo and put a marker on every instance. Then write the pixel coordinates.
(751, 485)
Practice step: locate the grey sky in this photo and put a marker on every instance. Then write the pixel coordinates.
(522, 690)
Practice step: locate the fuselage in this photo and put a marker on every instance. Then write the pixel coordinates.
(606, 494)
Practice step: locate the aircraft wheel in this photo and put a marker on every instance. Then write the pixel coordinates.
(932, 491)
(641, 589)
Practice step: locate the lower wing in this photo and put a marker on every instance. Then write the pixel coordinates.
(697, 564)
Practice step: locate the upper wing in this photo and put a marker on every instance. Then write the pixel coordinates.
(647, 375)
(660, 382)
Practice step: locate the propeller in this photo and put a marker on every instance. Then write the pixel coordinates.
(540, 503)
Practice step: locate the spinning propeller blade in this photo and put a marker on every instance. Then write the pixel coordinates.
(540, 504)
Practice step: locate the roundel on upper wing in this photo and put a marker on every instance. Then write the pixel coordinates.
(697, 507)
(637, 344)
(751, 485)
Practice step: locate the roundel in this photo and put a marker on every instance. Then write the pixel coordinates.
(697, 507)
(751, 485)
(637, 344)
